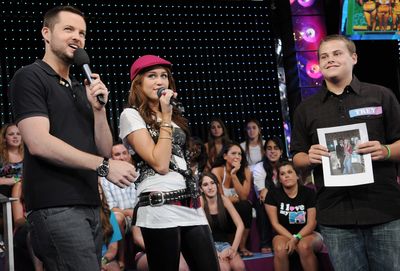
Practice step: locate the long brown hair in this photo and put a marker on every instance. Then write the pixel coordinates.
(105, 213)
(259, 138)
(222, 216)
(140, 101)
(4, 157)
(212, 149)
(220, 160)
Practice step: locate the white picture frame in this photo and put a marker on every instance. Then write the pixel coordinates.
(349, 168)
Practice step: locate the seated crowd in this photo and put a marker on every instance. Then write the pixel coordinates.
(236, 180)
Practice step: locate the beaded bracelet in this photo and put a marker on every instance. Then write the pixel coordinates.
(388, 152)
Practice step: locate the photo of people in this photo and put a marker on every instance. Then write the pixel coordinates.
(344, 159)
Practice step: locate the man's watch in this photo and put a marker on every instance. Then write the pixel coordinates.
(103, 169)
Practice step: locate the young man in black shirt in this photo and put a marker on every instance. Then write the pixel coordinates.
(360, 224)
(67, 139)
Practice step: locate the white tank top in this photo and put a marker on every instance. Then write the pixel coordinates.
(227, 191)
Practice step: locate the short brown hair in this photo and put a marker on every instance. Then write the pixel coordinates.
(349, 43)
(51, 16)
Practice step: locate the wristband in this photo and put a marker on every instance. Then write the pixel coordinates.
(388, 152)
(298, 236)
(16, 179)
(104, 260)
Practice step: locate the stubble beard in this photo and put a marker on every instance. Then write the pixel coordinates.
(63, 56)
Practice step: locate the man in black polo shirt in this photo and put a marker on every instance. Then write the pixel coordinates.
(67, 139)
(360, 224)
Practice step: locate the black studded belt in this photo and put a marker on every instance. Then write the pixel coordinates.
(158, 198)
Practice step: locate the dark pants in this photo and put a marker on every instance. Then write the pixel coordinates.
(67, 238)
(22, 257)
(264, 226)
(163, 247)
(244, 208)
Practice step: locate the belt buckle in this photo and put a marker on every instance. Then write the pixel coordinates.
(156, 193)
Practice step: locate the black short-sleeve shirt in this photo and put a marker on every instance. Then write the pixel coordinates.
(360, 102)
(292, 212)
(37, 90)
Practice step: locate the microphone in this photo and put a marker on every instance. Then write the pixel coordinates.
(81, 59)
(173, 101)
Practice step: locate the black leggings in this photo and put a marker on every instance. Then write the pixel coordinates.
(243, 207)
(163, 247)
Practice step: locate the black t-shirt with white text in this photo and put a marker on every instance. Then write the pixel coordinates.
(292, 212)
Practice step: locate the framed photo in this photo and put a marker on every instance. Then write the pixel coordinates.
(345, 167)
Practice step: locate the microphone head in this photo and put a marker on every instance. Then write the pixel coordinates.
(81, 57)
(160, 91)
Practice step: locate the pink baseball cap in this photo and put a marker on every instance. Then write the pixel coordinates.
(145, 62)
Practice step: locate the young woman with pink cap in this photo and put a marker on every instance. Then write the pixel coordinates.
(168, 209)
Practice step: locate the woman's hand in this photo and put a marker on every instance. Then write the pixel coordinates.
(263, 194)
(291, 245)
(234, 198)
(7, 181)
(165, 98)
(224, 255)
(231, 253)
(235, 167)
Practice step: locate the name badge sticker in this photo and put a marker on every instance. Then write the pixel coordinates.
(365, 111)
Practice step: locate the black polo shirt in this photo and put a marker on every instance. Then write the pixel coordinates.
(37, 90)
(354, 205)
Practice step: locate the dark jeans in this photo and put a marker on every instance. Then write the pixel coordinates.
(372, 248)
(263, 224)
(163, 247)
(67, 238)
(244, 208)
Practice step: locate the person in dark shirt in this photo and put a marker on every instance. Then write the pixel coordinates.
(340, 153)
(291, 210)
(360, 224)
(221, 214)
(67, 139)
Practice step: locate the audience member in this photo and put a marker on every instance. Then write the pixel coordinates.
(348, 152)
(121, 200)
(234, 179)
(265, 176)
(24, 256)
(360, 224)
(340, 153)
(253, 145)
(291, 210)
(111, 236)
(168, 210)
(11, 158)
(220, 213)
(217, 138)
(198, 156)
